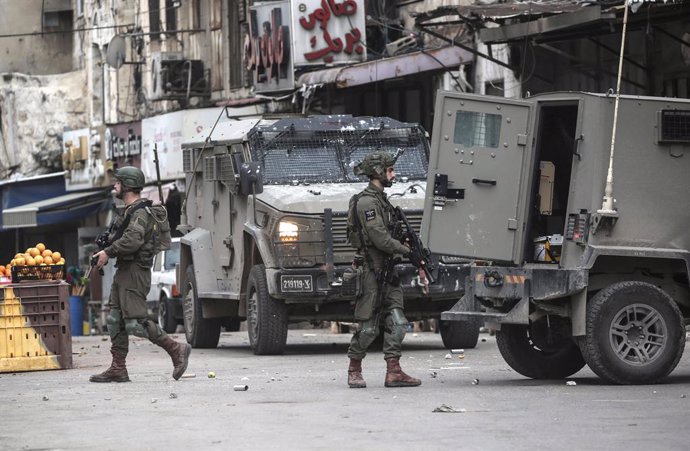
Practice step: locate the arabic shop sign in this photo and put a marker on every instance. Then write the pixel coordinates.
(267, 51)
(328, 31)
(123, 144)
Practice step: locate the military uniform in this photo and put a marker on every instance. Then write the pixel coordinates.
(131, 242)
(375, 214)
(132, 281)
(371, 218)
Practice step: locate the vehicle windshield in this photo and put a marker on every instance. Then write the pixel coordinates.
(172, 256)
(324, 149)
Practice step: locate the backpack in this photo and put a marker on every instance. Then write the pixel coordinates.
(162, 239)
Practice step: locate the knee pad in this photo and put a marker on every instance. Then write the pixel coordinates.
(367, 333)
(114, 322)
(136, 327)
(397, 323)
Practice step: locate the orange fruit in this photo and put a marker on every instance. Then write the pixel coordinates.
(47, 253)
(30, 261)
(56, 256)
(41, 247)
(61, 262)
(8, 268)
(48, 260)
(18, 255)
(2, 270)
(20, 261)
(34, 252)
(38, 259)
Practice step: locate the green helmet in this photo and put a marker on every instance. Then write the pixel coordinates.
(130, 177)
(374, 165)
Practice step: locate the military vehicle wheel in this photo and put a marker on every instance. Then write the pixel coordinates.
(267, 319)
(635, 333)
(544, 349)
(200, 332)
(460, 334)
(166, 315)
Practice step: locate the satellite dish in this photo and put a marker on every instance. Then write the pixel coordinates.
(117, 50)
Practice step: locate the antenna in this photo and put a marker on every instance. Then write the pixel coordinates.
(117, 50)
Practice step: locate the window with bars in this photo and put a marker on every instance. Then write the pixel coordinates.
(675, 126)
(325, 150)
(473, 129)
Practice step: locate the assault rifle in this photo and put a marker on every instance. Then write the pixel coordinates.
(419, 255)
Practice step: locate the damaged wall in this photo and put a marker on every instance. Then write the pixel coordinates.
(24, 49)
(34, 110)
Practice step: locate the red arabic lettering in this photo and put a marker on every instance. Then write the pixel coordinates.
(321, 16)
(267, 54)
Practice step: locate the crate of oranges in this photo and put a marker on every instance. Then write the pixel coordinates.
(37, 263)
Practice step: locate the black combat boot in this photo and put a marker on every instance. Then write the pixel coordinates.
(396, 377)
(354, 374)
(116, 373)
(179, 353)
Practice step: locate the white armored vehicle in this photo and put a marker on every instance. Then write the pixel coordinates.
(565, 278)
(266, 213)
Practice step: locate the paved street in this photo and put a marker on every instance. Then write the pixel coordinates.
(300, 401)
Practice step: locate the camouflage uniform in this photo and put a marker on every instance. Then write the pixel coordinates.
(369, 231)
(134, 249)
(132, 281)
(376, 217)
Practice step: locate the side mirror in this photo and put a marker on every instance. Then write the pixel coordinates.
(251, 179)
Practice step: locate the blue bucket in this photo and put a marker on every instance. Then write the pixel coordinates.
(76, 312)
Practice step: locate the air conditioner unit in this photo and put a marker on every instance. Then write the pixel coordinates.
(173, 77)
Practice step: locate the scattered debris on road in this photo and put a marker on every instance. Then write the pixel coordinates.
(188, 376)
(448, 409)
(240, 387)
(173, 396)
(571, 383)
(211, 375)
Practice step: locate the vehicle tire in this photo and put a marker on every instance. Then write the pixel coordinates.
(267, 320)
(200, 332)
(543, 349)
(635, 333)
(460, 334)
(166, 315)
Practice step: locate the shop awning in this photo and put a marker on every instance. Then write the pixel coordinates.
(54, 210)
(387, 68)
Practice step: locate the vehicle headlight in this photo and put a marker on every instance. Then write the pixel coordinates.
(288, 232)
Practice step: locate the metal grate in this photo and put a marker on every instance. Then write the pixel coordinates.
(226, 168)
(189, 159)
(210, 169)
(675, 126)
(311, 250)
(324, 149)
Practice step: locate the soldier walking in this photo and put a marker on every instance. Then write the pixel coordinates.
(132, 243)
(370, 221)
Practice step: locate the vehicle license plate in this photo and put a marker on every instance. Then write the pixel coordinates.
(299, 284)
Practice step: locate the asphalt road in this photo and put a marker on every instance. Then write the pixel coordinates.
(300, 401)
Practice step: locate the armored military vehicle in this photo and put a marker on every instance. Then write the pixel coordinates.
(564, 278)
(265, 232)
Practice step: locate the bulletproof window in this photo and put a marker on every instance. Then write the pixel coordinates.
(324, 150)
(675, 126)
(473, 129)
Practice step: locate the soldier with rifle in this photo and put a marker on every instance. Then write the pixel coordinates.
(374, 230)
(133, 240)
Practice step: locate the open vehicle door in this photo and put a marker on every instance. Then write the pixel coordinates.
(478, 179)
